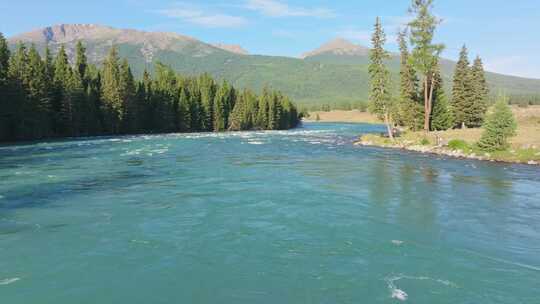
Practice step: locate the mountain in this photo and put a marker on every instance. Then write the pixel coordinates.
(339, 47)
(334, 73)
(233, 48)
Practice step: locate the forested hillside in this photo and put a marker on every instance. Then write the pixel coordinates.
(44, 97)
(331, 75)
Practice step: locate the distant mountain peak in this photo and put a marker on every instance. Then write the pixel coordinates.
(233, 48)
(338, 46)
(101, 37)
(66, 33)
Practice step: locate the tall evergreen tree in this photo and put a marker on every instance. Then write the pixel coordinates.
(208, 92)
(220, 108)
(110, 92)
(4, 59)
(62, 101)
(84, 113)
(4, 91)
(129, 103)
(462, 98)
(480, 93)
(425, 54)
(442, 117)
(18, 79)
(379, 95)
(410, 111)
(39, 102)
(81, 62)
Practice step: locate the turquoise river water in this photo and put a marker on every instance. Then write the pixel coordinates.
(298, 216)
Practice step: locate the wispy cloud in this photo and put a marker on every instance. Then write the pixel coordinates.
(203, 17)
(275, 8)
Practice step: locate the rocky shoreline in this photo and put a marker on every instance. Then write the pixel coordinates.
(441, 151)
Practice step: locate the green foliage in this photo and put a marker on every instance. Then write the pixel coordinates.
(380, 98)
(461, 90)
(42, 97)
(469, 92)
(442, 117)
(425, 54)
(480, 93)
(458, 144)
(498, 128)
(425, 142)
(409, 111)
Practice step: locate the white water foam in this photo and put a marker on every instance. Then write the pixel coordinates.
(400, 294)
(9, 281)
(397, 242)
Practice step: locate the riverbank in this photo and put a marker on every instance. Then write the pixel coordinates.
(524, 147)
(353, 116)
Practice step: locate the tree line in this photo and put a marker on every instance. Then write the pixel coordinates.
(44, 97)
(422, 103)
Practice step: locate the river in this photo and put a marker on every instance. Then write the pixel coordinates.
(299, 216)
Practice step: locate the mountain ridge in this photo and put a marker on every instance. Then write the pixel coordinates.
(338, 46)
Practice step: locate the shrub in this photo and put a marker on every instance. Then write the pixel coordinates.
(424, 142)
(498, 128)
(458, 144)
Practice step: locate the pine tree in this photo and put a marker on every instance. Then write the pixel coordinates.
(4, 91)
(237, 120)
(83, 109)
(425, 54)
(81, 62)
(462, 91)
(110, 92)
(208, 92)
(93, 95)
(480, 93)
(165, 91)
(196, 110)
(409, 108)
(183, 114)
(220, 108)
(62, 101)
(18, 79)
(38, 106)
(498, 128)
(261, 120)
(379, 95)
(127, 94)
(442, 117)
(4, 60)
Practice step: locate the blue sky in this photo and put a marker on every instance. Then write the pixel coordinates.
(506, 34)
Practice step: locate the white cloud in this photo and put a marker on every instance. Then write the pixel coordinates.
(275, 8)
(201, 17)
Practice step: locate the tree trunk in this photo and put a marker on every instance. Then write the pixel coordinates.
(388, 126)
(426, 101)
